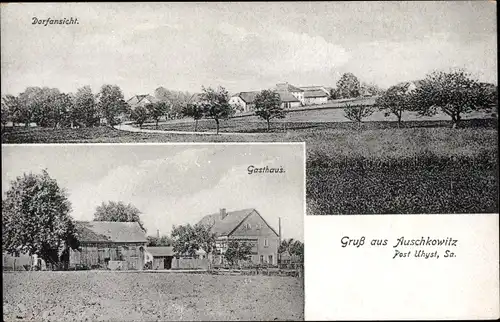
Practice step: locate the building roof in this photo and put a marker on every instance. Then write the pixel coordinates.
(315, 93)
(224, 227)
(287, 97)
(417, 83)
(288, 87)
(158, 251)
(248, 97)
(136, 99)
(110, 231)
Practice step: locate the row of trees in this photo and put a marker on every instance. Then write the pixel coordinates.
(48, 107)
(455, 93)
(36, 220)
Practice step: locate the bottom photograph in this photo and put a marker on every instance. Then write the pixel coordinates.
(153, 232)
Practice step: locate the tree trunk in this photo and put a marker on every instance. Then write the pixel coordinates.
(217, 121)
(456, 120)
(268, 125)
(399, 120)
(157, 123)
(196, 125)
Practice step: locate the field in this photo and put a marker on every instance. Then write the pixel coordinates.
(114, 296)
(423, 167)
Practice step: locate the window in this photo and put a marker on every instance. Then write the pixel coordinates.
(266, 242)
(270, 259)
(262, 259)
(259, 226)
(249, 226)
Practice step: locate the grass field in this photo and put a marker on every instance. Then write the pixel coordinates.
(112, 296)
(422, 167)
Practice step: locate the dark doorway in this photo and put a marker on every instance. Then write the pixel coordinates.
(167, 262)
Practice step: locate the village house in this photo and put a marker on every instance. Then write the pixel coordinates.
(160, 257)
(110, 245)
(248, 226)
(315, 95)
(244, 101)
(295, 91)
(411, 85)
(141, 100)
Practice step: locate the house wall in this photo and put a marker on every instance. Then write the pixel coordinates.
(238, 103)
(316, 100)
(299, 96)
(98, 254)
(255, 230)
(290, 104)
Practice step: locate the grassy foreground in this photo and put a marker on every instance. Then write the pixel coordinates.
(114, 296)
(423, 167)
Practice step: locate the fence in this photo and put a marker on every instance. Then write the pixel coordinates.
(190, 263)
(299, 272)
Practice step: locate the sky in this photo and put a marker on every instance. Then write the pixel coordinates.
(242, 46)
(171, 184)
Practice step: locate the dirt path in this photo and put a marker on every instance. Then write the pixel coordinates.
(130, 128)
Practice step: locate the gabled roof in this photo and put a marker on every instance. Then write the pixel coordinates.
(287, 97)
(248, 97)
(287, 87)
(161, 250)
(315, 93)
(136, 99)
(110, 231)
(417, 83)
(233, 219)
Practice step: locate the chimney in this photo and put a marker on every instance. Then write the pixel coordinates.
(223, 213)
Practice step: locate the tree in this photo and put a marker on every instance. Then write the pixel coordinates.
(39, 104)
(268, 106)
(348, 86)
(139, 114)
(62, 105)
(395, 101)
(162, 241)
(119, 212)
(195, 111)
(216, 105)
(35, 217)
(187, 239)
(111, 104)
(237, 251)
(184, 240)
(176, 100)
(157, 110)
(84, 110)
(455, 93)
(10, 109)
(5, 116)
(373, 89)
(334, 94)
(29, 105)
(358, 113)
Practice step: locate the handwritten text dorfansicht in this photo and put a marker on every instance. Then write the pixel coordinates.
(51, 21)
(265, 170)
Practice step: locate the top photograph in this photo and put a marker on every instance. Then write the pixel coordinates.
(397, 101)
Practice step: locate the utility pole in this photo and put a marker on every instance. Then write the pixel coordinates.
(279, 245)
